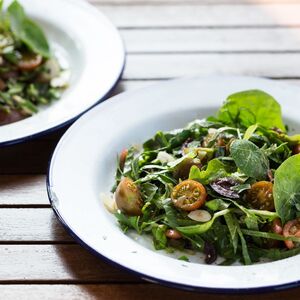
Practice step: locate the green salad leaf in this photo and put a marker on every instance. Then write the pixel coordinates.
(287, 188)
(159, 236)
(201, 228)
(250, 159)
(215, 169)
(27, 30)
(250, 107)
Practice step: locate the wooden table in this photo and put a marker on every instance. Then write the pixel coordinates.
(164, 39)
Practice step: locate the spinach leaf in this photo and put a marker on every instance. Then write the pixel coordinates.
(27, 30)
(250, 130)
(250, 107)
(217, 204)
(215, 169)
(286, 188)
(250, 159)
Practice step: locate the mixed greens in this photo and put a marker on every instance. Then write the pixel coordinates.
(227, 185)
(29, 74)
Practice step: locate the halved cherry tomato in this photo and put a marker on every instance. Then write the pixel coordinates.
(29, 61)
(173, 234)
(296, 149)
(260, 196)
(189, 195)
(122, 158)
(276, 227)
(128, 197)
(291, 228)
(182, 170)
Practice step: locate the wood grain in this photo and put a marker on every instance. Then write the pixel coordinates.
(31, 225)
(175, 65)
(23, 190)
(212, 40)
(123, 291)
(149, 15)
(55, 263)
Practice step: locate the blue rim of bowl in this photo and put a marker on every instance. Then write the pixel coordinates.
(52, 199)
(70, 121)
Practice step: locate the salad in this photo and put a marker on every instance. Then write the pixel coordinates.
(29, 73)
(227, 186)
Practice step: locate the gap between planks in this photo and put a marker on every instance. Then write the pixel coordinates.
(124, 291)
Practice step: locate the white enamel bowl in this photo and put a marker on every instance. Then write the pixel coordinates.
(83, 166)
(86, 42)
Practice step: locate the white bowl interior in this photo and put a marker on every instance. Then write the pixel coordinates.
(83, 166)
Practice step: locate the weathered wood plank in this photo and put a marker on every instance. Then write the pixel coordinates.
(31, 225)
(154, 66)
(202, 15)
(215, 40)
(23, 190)
(181, 2)
(124, 291)
(55, 263)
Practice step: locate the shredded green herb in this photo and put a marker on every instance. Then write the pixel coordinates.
(30, 75)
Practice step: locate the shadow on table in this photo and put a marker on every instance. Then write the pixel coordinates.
(32, 157)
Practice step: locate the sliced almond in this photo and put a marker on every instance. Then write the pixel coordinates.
(200, 215)
(109, 202)
(165, 157)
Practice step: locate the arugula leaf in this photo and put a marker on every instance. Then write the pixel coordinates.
(159, 236)
(250, 107)
(201, 228)
(286, 188)
(128, 222)
(250, 159)
(159, 141)
(274, 254)
(27, 30)
(184, 258)
(270, 235)
(232, 230)
(247, 259)
(148, 191)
